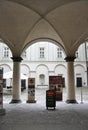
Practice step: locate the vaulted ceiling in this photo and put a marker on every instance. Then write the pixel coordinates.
(24, 21)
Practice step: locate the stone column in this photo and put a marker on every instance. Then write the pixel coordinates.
(71, 80)
(2, 110)
(16, 80)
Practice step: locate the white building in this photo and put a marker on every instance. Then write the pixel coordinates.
(43, 59)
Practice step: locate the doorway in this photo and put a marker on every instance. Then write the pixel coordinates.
(79, 81)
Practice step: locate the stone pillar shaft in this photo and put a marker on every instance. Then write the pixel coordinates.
(16, 80)
(71, 88)
(71, 80)
(2, 110)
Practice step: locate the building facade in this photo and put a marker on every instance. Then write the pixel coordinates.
(43, 59)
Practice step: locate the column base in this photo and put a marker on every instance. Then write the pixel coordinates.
(15, 101)
(31, 101)
(71, 101)
(2, 112)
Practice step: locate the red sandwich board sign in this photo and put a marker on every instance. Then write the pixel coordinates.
(55, 83)
(50, 99)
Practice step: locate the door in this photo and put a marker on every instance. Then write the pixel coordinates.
(23, 84)
(79, 81)
(63, 80)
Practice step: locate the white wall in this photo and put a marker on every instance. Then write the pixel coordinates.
(60, 69)
(80, 72)
(42, 69)
(33, 65)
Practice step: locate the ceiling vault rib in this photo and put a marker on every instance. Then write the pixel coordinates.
(54, 28)
(64, 21)
(26, 7)
(48, 23)
(51, 10)
(41, 17)
(33, 27)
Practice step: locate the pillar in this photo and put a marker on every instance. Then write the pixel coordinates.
(16, 94)
(71, 80)
(2, 110)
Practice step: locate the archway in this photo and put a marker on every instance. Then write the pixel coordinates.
(81, 71)
(5, 67)
(43, 55)
(50, 61)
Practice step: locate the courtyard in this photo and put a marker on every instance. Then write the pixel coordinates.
(40, 95)
(35, 116)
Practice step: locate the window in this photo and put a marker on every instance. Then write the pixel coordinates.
(6, 52)
(59, 52)
(41, 52)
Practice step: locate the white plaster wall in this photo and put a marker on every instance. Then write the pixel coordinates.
(42, 69)
(6, 67)
(33, 66)
(80, 72)
(25, 69)
(60, 69)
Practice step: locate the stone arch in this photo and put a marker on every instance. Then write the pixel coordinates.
(43, 30)
(3, 40)
(59, 69)
(53, 41)
(25, 69)
(6, 67)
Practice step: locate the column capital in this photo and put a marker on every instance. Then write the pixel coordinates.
(16, 59)
(70, 59)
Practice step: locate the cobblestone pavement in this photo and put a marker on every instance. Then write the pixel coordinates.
(26, 116)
